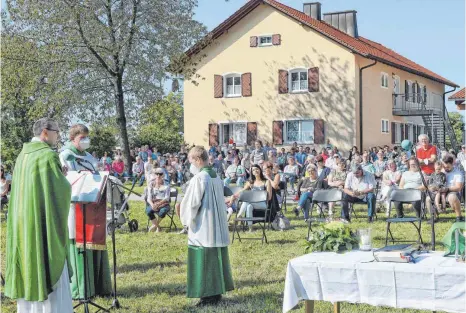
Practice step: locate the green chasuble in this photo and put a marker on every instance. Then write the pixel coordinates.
(98, 278)
(449, 238)
(209, 271)
(37, 230)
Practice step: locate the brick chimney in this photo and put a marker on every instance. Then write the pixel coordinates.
(344, 21)
(313, 9)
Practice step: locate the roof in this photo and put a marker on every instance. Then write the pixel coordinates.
(360, 45)
(459, 95)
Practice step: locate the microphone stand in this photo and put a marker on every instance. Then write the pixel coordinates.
(433, 207)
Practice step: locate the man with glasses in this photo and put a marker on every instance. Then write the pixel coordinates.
(426, 155)
(359, 188)
(37, 241)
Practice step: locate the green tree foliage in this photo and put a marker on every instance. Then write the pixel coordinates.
(116, 52)
(457, 123)
(161, 125)
(32, 88)
(103, 139)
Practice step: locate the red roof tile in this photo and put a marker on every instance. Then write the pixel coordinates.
(459, 95)
(360, 45)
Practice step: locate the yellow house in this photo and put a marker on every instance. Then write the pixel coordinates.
(280, 75)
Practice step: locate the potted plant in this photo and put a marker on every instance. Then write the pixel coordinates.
(334, 236)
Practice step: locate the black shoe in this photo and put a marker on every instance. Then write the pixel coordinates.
(369, 219)
(212, 300)
(460, 218)
(296, 212)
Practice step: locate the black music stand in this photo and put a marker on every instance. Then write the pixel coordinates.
(86, 301)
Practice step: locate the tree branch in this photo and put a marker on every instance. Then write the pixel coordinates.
(131, 35)
(89, 46)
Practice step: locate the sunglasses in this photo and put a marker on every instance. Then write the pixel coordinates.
(158, 174)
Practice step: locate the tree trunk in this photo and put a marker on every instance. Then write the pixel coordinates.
(121, 121)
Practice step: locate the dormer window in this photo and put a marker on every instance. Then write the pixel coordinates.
(265, 41)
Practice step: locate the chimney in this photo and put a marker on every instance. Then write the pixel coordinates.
(313, 9)
(344, 21)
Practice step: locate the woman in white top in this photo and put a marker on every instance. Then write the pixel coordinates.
(411, 179)
(390, 181)
(158, 199)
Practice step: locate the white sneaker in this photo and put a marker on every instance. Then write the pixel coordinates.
(152, 228)
(183, 231)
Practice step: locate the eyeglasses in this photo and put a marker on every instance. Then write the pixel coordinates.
(158, 174)
(54, 130)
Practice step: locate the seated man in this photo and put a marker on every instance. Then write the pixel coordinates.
(235, 173)
(454, 185)
(359, 188)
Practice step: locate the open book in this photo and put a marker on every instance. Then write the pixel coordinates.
(87, 187)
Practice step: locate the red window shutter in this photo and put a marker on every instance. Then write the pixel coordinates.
(252, 133)
(319, 135)
(246, 88)
(218, 86)
(276, 39)
(313, 79)
(277, 132)
(393, 132)
(282, 81)
(253, 41)
(402, 128)
(213, 134)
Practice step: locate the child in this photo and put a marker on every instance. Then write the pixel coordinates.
(437, 182)
(231, 206)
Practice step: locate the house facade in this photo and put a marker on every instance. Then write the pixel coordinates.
(281, 75)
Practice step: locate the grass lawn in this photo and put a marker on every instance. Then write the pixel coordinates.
(152, 268)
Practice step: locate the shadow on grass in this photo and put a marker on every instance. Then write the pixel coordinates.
(144, 267)
(139, 291)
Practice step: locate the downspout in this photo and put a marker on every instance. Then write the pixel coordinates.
(360, 103)
(444, 108)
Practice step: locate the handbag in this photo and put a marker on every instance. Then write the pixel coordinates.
(281, 222)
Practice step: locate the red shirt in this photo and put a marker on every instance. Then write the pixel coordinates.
(422, 153)
(324, 156)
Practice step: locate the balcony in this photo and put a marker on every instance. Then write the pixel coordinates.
(417, 104)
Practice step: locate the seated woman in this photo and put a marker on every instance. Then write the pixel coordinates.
(157, 198)
(4, 187)
(292, 172)
(235, 173)
(390, 181)
(379, 165)
(257, 182)
(411, 179)
(118, 167)
(307, 186)
(336, 179)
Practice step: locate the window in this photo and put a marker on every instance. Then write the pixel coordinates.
(299, 80)
(410, 132)
(384, 80)
(233, 85)
(265, 41)
(301, 131)
(236, 130)
(410, 91)
(385, 129)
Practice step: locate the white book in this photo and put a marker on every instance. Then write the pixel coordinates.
(86, 187)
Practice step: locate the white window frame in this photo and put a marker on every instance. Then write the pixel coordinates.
(384, 80)
(225, 87)
(285, 131)
(387, 122)
(230, 123)
(290, 81)
(264, 44)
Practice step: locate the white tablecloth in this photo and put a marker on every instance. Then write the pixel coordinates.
(434, 282)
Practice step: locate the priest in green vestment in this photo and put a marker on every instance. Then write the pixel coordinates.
(204, 212)
(99, 281)
(37, 263)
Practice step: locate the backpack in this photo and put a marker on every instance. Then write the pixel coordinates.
(281, 222)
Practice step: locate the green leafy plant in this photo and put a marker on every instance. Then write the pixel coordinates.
(334, 236)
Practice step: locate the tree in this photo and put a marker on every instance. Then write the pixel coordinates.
(457, 123)
(116, 51)
(102, 139)
(31, 90)
(161, 125)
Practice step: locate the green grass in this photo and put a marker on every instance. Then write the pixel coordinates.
(152, 268)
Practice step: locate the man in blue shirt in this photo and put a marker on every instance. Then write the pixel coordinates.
(300, 158)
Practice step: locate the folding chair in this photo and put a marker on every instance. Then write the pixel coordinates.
(252, 196)
(405, 196)
(323, 196)
(283, 194)
(227, 192)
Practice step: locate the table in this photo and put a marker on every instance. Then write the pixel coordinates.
(432, 283)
